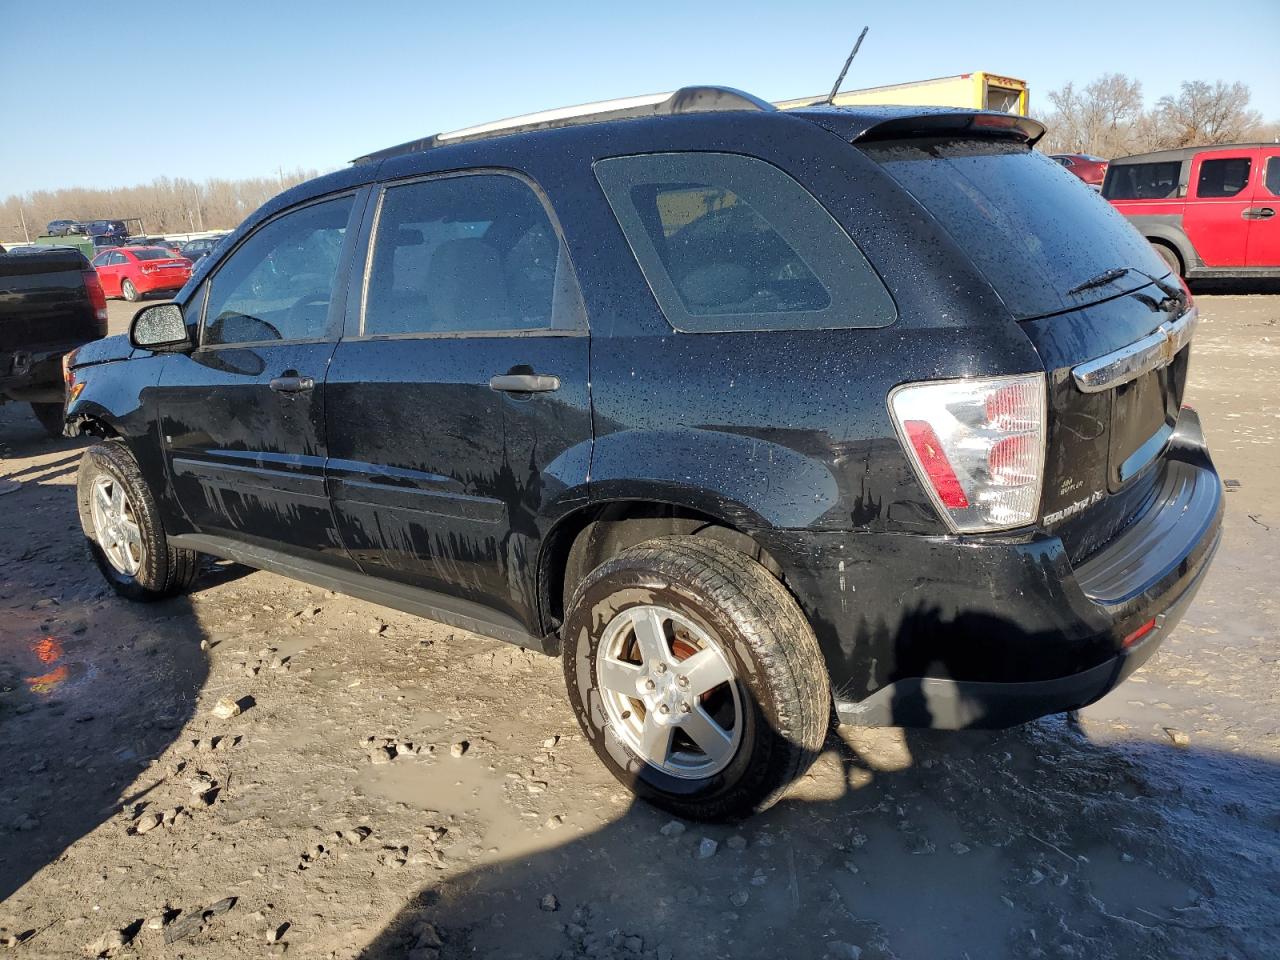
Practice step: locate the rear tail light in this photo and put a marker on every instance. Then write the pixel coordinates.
(97, 296)
(977, 447)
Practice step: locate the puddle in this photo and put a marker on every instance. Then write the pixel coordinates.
(40, 666)
(463, 787)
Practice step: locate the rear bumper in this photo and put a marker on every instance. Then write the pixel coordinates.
(993, 631)
(961, 704)
(150, 283)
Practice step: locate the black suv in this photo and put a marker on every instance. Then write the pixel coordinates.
(747, 414)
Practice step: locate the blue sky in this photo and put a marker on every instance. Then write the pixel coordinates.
(232, 88)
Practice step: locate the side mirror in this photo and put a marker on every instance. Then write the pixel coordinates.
(159, 328)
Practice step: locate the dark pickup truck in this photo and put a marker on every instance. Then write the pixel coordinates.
(50, 303)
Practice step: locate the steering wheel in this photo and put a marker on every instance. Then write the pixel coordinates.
(297, 317)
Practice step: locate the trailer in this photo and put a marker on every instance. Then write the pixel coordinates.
(981, 90)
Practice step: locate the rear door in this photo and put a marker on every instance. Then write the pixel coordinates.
(458, 403)
(1264, 212)
(242, 416)
(1220, 192)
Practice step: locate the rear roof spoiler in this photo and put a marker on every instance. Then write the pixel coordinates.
(866, 124)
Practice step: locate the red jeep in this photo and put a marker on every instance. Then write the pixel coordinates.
(1209, 211)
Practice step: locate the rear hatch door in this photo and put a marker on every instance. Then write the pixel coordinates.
(1109, 321)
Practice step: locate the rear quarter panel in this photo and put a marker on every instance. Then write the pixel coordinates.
(776, 429)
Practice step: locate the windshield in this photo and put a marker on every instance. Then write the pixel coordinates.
(152, 253)
(1035, 231)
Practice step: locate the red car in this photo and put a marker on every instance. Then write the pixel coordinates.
(1209, 211)
(1092, 170)
(130, 272)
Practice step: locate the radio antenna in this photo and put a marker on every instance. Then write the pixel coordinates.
(831, 97)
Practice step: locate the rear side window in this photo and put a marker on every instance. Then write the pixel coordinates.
(1142, 181)
(1222, 178)
(1272, 181)
(731, 243)
(467, 254)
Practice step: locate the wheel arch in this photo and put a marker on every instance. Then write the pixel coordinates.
(1170, 235)
(590, 535)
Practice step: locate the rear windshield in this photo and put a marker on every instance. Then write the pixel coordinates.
(1035, 231)
(152, 253)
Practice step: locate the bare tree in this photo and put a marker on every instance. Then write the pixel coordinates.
(165, 205)
(1204, 113)
(1107, 117)
(1100, 118)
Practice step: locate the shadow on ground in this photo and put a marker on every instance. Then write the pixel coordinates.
(92, 687)
(1034, 842)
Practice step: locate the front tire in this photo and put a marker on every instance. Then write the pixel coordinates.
(122, 524)
(129, 291)
(696, 677)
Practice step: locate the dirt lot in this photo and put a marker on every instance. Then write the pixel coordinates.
(135, 822)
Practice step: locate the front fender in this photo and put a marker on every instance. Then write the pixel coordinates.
(114, 402)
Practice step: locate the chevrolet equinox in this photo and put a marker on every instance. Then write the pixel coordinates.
(749, 415)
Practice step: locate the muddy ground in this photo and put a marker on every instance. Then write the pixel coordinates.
(136, 822)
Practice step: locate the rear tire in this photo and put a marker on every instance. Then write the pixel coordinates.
(50, 417)
(129, 543)
(1170, 257)
(700, 599)
(129, 291)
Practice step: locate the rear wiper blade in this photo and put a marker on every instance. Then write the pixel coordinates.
(1101, 280)
(1170, 291)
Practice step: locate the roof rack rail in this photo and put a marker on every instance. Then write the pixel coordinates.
(698, 99)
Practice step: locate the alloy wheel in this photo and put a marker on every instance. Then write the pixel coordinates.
(669, 691)
(115, 525)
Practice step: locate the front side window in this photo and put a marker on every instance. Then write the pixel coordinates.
(728, 242)
(279, 283)
(467, 254)
(101, 259)
(1142, 181)
(1222, 178)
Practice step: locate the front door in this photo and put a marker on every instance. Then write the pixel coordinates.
(458, 402)
(109, 266)
(1264, 212)
(1219, 196)
(242, 416)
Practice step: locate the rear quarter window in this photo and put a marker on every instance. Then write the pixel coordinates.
(1143, 181)
(731, 243)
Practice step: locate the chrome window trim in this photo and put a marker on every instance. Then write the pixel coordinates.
(1130, 362)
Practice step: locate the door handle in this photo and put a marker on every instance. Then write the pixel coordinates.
(292, 384)
(524, 383)
(1258, 213)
